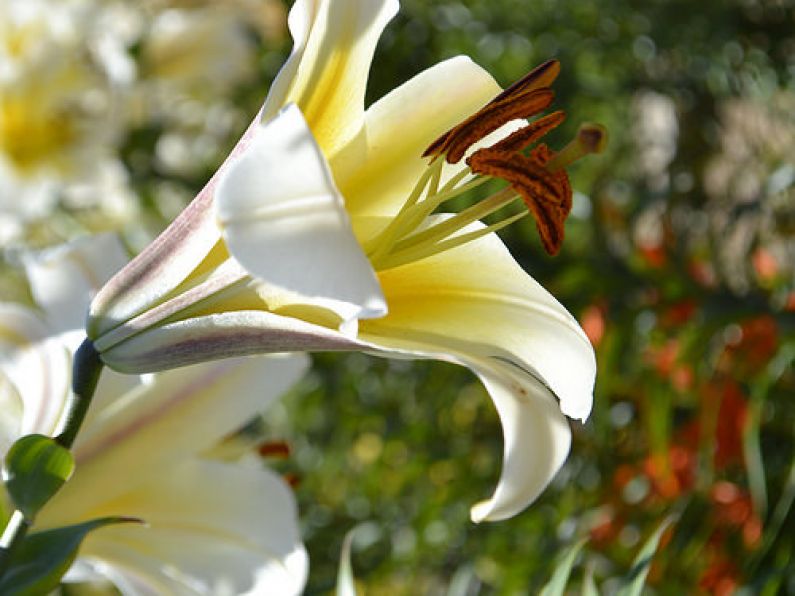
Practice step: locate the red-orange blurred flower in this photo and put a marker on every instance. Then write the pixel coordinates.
(678, 313)
(765, 264)
(720, 578)
(665, 360)
(758, 343)
(592, 321)
(731, 424)
(605, 528)
(671, 473)
(734, 509)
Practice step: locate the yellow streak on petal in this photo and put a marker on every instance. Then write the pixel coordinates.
(330, 82)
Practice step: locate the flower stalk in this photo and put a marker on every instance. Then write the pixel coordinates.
(85, 376)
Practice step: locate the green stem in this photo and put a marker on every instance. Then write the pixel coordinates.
(85, 376)
(86, 369)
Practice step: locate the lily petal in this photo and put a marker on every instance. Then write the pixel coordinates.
(36, 365)
(499, 308)
(537, 441)
(192, 408)
(208, 531)
(514, 334)
(326, 75)
(285, 222)
(377, 171)
(223, 335)
(63, 279)
(167, 262)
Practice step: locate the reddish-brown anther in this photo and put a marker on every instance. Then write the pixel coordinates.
(524, 99)
(541, 76)
(547, 195)
(524, 137)
(278, 449)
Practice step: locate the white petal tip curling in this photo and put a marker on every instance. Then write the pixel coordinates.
(284, 220)
(537, 443)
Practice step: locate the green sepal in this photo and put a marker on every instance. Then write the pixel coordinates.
(44, 557)
(35, 468)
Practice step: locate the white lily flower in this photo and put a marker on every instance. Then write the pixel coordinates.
(318, 233)
(212, 527)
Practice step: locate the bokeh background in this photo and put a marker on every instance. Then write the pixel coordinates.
(679, 262)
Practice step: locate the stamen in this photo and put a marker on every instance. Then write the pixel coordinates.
(424, 250)
(524, 137)
(591, 138)
(396, 226)
(490, 118)
(278, 449)
(537, 176)
(449, 226)
(541, 76)
(411, 216)
(524, 173)
(546, 194)
(539, 79)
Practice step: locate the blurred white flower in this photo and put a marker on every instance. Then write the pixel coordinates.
(58, 123)
(213, 527)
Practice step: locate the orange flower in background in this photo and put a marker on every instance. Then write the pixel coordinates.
(671, 473)
(593, 323)
(667, 361)
(720, 578)
(733, 509)
(757, 343)
(731, 424)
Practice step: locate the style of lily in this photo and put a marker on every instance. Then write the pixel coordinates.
(212, 527)
(321, 231)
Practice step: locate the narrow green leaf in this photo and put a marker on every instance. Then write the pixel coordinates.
(560, 577)
(636, 578)
(44, 557)
(588, 584)
(36, 467)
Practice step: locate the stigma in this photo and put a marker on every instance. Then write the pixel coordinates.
(536, 176)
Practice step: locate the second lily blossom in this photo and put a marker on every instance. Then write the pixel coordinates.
(320, 232)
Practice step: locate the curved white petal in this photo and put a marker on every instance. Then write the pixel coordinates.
(63, 279)
(284, 221)
(479, 295)
(36, 365)
(212, 528)
(326, 75)
(537, 440)
(179, 413)
(377, 171)
(474, 305)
